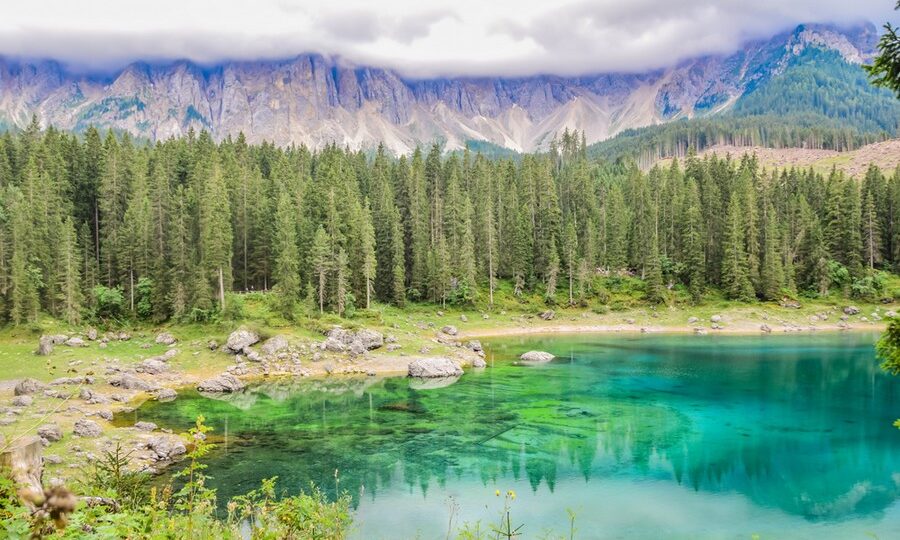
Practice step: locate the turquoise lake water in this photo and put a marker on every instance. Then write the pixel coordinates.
(643, 437)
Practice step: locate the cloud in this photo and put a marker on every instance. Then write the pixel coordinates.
(419, 39)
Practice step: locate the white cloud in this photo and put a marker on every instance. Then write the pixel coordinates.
(419, 38)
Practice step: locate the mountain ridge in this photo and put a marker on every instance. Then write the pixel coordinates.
(314, 100)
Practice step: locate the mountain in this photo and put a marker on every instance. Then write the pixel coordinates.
(315, 100)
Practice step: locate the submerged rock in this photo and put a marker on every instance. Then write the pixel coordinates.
(536, 357)
(433, 367)
(432, 383)
(223, 383)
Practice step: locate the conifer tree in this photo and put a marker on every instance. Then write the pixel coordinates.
(370, 261)
(320, 257)
(735, 275)
(287, 259)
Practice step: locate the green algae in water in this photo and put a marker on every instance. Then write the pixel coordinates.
(644, 437)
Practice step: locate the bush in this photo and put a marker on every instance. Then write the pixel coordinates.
(109, 303)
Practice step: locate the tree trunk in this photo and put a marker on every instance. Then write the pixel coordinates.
(131, 287)
(221, 290)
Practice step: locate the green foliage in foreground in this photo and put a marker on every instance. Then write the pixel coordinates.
(119, 503)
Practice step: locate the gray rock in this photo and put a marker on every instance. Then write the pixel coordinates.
(92, 334)
(547, 315)
(536, 357)
(106, 415)
(333, 344)
(72, 380)
(128, 381)
(27, 386)
(240, 339)
(693, 320)
(700, 331)
(357, 348)
(22, 401)
(370, 339)
(145, 426)
(433, 367)
(715, 319)
(432, 383)
(87, 428)
(274, 345)
(45, 345)
(474, 345)
(450, 330)
(463, 318)
(92, 397)
(165, 338)
(52, 459)
(479, 363)
(151, 366)
(890, 314)
(851, 310)
(765, 328)
(223, 383)
(212, 344)
(166, 447)
(393, 347)
(166, 394)
(75, 342)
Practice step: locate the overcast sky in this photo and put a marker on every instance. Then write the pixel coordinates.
(418, 37)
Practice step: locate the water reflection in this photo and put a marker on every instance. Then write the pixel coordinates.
(801, 425)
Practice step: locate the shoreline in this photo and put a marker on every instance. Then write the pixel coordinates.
(563, 329)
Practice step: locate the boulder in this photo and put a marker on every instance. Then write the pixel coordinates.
(240, 339)
(370, 339)
(145, 426)
(166, 448)
(357, 348)
(166, 394)
(450, 330)
(334, 345)
(87, 428)
(72, 380)
(212, 344)
(536, 357)
(715, 319)
(890, 314)
(92, 334)
(223, 383)
(851, 310)
(165, 338)
(22, 401)
(547, 315)
(789, 303)
(765, 328)
(128, 381)
(92, 397)
(45, 345)
(274, 345)
(479, 363)
(475, 346)
(152, 366)
(433, 367)
(693, 320)
(463, 318)
(27, 386)
(75, 342)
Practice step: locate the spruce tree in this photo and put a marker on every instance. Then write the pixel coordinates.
(735, 275)
(287, 259)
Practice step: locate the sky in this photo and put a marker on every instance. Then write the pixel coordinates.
(419, 38)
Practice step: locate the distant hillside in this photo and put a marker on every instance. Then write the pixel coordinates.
(885, 155)
(803, 76)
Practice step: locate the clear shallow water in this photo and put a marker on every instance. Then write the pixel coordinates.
(644, 437)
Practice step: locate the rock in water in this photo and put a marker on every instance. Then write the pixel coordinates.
(434, 367)
(27, 386)
(536, 357)
(274, 345)
(240, 339)
(87, 428)
(479, 363)
(165, 338)
(223, 383)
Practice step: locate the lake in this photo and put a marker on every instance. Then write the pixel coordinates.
(650, 436)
